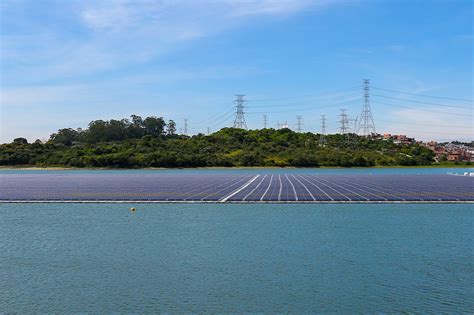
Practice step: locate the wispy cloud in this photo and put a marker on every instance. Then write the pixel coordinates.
(112, 34)
(119, 14)
(60, 59)
(272, 7)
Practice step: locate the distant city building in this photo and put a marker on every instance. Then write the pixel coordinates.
(451, 152)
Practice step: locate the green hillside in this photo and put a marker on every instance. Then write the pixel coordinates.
(151, 142)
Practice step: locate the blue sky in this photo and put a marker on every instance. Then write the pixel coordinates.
(65, 63)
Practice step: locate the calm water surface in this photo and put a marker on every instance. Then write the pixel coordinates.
(359, 170)
(236, 258)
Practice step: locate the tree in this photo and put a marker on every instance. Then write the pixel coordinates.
(116, 130)
(20, 141)
(250, 159)
(95, 132)
(64, 136)
(140, 142)
(136, 129)
(171, 128)
(112, 130)
(154, 126)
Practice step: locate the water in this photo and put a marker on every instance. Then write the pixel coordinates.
(359, 170)
(236, 258)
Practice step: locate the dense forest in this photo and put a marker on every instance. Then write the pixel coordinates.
(153, 142)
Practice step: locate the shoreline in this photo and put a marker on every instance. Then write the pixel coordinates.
(60, 168)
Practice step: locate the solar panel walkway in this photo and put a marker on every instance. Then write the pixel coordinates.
(264, 188)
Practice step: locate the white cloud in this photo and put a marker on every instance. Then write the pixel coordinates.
(75, 42)
(120, 14)
(272, 7)
(113, 34)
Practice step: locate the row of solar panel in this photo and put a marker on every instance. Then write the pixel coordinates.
(356, 188)
(235, 188)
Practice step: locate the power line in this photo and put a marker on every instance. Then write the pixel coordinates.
(303, 96)
(423, 110)
(231, 111)
(228, 120)
(308, 108)
(214, 118)
(239, 121)
(335, 97)
(419, 102)
(424, 95)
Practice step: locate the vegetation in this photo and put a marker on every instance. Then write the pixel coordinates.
(151, 142)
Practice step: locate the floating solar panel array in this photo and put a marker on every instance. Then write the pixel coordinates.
(234, 188)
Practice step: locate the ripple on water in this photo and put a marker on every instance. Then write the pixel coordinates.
(236, 258)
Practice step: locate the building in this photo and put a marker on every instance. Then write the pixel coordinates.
(403, 139)
(398, 139)
(452, 152)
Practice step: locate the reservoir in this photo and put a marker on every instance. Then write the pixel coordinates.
(236, 258)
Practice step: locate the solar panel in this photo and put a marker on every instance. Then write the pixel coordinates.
(235, 188)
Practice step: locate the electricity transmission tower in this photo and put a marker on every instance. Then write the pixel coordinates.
(344, 122)
(366, 121)
(299, 123)
(344, 127)
(239, 121)
(322, 136)
(186, 126)
(208, 131)
(355, 124)
(352, 135)
(265, 121)
(282, 125)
